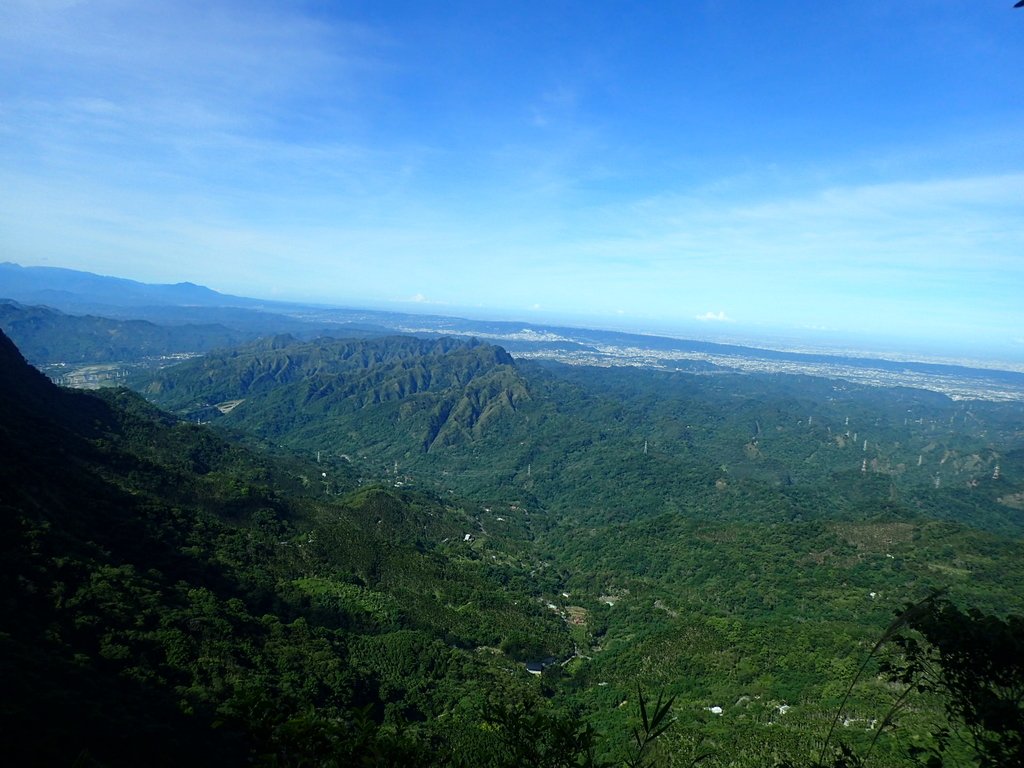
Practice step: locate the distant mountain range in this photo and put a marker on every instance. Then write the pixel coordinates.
(71, 289)
(78, 293)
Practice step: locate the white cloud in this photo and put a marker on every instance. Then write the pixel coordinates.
(716, 317)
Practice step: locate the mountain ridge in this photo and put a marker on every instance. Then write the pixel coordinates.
(50, 336)
(37, 284)
(440, 389)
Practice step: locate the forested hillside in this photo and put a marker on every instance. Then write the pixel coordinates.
(411, 395)
(737, 540)
(48, 336)
(616, 443)
(171, 598)
(326, 595)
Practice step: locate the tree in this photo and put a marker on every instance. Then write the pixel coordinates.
(976, 663)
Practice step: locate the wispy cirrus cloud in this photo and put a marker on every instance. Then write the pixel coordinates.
(180, 87)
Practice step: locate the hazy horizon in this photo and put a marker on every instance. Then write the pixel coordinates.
(812, 341)
(848, 171)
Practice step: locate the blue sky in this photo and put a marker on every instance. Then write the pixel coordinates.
(832, 169)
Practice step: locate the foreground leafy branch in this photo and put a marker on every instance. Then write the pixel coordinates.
(976, 663)
(653, 725)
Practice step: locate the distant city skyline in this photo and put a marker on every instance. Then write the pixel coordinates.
(829, 171)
